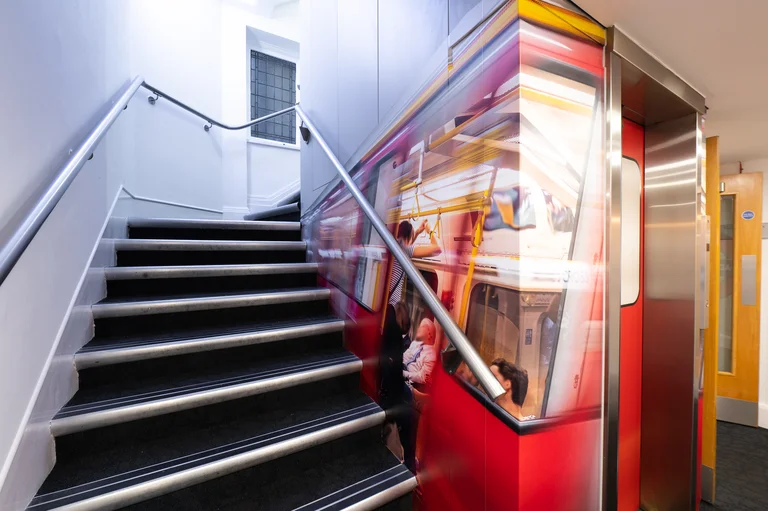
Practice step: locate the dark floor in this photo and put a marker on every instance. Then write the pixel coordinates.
(742, 469)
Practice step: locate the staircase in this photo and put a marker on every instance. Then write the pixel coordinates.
(218, 379)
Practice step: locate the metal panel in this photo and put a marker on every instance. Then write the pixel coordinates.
(670, 333)
(703, 245)
(649, 67)
(737, 411)
(612, 298)
(707, 484)
(749, 280)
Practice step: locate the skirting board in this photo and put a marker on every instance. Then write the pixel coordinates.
(737, 411)
(35, 454)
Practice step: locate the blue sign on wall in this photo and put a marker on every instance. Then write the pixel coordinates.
(748, 215)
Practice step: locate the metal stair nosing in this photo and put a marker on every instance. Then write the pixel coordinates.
(195, 304)
(174, 245)
(116, 354)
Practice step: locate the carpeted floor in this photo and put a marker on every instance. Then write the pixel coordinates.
(742, 469)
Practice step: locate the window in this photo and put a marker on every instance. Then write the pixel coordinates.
(273, 88)
(519, 327)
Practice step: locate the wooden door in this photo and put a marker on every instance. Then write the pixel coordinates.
(739, 304)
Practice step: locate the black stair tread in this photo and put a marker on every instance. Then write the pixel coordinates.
(124, 341)
(195, 296)
(138, 457)
(117, 394)
(335, 470)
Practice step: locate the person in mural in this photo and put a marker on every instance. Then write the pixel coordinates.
(515, 383)
(466, 374)
(405, 237)
(392, 391)
(420, 357)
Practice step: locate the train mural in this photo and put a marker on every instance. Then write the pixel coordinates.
(492, 181)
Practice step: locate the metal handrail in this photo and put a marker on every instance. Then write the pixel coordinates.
(25, 225)
(211, 122)
(475, 363)
(31, 221)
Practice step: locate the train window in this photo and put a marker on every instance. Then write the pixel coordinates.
(511, 208)
(519, 328)
(631, 188)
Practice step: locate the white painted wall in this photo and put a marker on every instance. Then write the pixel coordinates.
(255, 175)
(61, 62)
(175, 45)
(363, 60)
(760, 165)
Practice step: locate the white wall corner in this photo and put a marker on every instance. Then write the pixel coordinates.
(762, 415)
(258, 202)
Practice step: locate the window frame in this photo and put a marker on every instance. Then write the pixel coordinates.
(282, 54)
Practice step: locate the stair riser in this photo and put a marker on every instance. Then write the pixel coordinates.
(157, 369)
(163, 324)
(214, 234)
(244, 283)
(170, 258)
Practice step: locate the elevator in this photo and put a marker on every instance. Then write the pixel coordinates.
(656, 287)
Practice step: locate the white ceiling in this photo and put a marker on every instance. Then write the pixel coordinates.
(719, 48)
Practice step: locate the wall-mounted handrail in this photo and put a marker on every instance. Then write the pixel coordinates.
(22, 233)
(475, 363)
(18, 234)
(211, 122)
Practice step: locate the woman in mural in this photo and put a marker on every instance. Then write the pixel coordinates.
(406, 236)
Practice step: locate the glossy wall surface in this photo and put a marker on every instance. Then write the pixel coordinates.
(496, 165)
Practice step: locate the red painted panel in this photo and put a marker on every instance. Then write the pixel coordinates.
(631, 364)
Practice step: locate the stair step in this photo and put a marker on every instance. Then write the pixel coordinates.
(195, 223)
(181, 280)
(170, 228)
(356, 472)
(96, 406)
(164, 252)
(127, 467)
(121, 351)
(109, 308)
(206, 271)
(173, 245)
